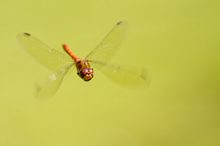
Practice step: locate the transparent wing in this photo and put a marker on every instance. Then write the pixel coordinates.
(109, 45)
(123, 75)
(49, 86)
(45, 55)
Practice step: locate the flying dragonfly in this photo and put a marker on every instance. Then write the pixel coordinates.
(60, 63)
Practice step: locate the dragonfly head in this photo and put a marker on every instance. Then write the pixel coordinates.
(86, 74)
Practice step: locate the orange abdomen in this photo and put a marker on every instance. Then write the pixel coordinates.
(70, 52)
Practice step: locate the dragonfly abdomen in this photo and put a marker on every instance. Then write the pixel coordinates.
(70, 52)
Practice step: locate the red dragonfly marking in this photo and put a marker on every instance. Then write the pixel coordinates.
(99, 57)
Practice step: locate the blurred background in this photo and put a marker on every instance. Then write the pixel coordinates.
(177, 41)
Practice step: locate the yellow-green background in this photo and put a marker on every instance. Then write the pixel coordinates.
(177, 40)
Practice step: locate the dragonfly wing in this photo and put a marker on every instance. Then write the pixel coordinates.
(51, 84)
(109, 45)
(123, 75)
(45, 55)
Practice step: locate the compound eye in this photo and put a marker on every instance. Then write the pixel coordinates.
(85, 71)
(91, 70)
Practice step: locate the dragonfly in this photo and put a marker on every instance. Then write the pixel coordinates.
(60, 63)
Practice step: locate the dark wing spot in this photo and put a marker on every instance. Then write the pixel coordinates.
(27, 34)
(118, 23)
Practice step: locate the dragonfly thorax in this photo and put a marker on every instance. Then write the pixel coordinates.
(84, 70)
